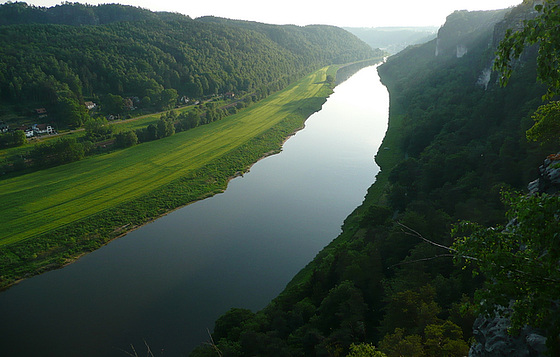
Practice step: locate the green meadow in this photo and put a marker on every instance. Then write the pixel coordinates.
(51, 216)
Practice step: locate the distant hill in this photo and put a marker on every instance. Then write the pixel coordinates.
(56, 57)
(393, 39)
(455, 140)
(77, 14)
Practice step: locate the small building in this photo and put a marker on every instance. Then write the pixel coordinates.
(4, 127)
(42, 129)
(129, 104)
(27, 130)
(41, 112)
(90, 105)
(229, 95)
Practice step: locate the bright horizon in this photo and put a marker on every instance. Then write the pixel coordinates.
(350, 13)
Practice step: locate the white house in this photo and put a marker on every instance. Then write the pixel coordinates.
(42, 129)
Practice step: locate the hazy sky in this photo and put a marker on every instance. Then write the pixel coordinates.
(351, 13)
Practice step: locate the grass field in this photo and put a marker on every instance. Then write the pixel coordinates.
(42, 201)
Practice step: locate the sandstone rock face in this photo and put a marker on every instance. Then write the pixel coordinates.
(549, 177)
(491, 334)
(493, 340)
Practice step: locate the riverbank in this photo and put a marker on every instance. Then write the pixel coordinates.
(61, 245)
(388, 155)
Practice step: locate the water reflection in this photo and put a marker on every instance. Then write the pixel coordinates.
(167, 282)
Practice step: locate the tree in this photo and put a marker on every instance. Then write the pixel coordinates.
(397, 344)
(192, 119)
(126, 139)
(98, 129)
(444, 340)
(520, 262)
(365, 350)
(12, 138)
(165, 127)
(168, 98)
(542, 31)
(113, 104)
(71, 112)
(547, 124)
(57, 152)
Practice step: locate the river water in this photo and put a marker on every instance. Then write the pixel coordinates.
(167, 282)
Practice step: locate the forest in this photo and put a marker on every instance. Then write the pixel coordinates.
(125, 62)
(82, 69)
(59, 57)
(411, 273)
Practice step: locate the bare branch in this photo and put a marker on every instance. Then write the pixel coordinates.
(211, 343)
(412, 232)
(149, 352)
(421, 260)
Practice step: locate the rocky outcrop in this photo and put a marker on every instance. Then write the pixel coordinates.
(549, 177)
(493, 340)
(464, 30)
(491, 334)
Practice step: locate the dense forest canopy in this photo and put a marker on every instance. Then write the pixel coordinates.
(456, 140)
(57, 57)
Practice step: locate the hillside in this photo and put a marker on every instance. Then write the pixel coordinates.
(455, 140)
(393, 39)
(57, 58)
(85, 67)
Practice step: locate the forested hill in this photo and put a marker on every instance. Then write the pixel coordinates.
(76, 14)
(61, 56)
(455, 140)
(393, 39)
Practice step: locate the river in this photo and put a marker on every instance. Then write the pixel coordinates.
(167, 282)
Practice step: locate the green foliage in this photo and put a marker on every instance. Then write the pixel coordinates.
(229, 325)
(376, 216)
(411, 310)
(12, 139)
(437, 340)
(451, 145)
(168, 99)
(445, 340)
(126, 139)
(397, 344)
(520, 260)
(127, 190)
(71, 112)
(129, 54)
(165, 125)
(57, 152)
(364, 350)
(98, 129)
(541, 30)
(113, 104)
(547, 124)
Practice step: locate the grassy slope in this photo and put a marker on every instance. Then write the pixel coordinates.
(45, 200)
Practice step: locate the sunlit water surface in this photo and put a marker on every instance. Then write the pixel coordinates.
(167, 282)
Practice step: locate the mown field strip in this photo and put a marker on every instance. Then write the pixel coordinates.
(41, 201)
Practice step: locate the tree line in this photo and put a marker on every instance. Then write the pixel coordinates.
(56, 57)
(391, 279)
(100, 135)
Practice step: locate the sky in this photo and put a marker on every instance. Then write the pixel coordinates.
(346, 13)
